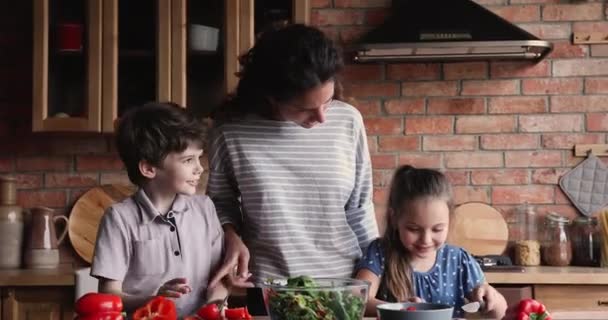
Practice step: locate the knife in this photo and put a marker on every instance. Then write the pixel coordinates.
(474, 306)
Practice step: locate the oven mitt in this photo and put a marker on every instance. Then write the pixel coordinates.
(587, 185)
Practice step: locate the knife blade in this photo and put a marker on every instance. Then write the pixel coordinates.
(473, 307)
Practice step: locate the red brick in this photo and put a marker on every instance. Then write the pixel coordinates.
(77, 145)
(381, 178)
(549, 31)
(490, 87)
(383, 126)
(430, 88)
(526, 13)
(456, 106)
(404, 106)
(331, 32)
(588, 27)
(381, 196)
(7, 164)
(485, 124)
(509, 141)
(421, 160)
(572, 161)
(429, 125)
(597, 122)
(580, 67)
(413, 71)
(367, 107)
(362, 3)
(499, 177)
(548, 176)
(473, 159)
(43, 163)
(398, 143)
(47, 198)
(517, 105)
(331, 17)
(533, 159)
(449, 143)
(579, 104)
(348, 34)
(28, 181)
(596, 85)
(463, 194)
(560, 197)
(362, 72)
(384, 89)
(508, 69)
(552, 86)
(568, 140)
(114, 178)
(372, 144)
(320, 3)
(384, 161)
(551, 123)
(98, 163)
(374, 17)
(457, 177)
(75, 194)
(521, 194)
(465, 70)
(565, 49)
(599, 50)
(491, 2)
(69, 180)
(573, 12)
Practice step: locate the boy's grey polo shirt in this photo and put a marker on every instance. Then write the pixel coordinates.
(138, 246)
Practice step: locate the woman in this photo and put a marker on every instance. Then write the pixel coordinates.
(290, 171)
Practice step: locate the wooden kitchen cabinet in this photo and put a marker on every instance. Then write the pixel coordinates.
(37, 303)
(135, 51)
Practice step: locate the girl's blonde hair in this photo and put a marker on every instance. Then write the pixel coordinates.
(408, 184)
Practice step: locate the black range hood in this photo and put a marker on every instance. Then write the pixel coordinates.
(447, 30)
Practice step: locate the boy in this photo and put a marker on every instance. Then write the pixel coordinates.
(163, 240)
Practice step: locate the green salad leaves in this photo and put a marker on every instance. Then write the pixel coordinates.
(304, 301)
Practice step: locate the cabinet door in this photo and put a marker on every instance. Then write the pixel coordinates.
(205, 70)
(38, 303)
(136, 55)
(67, 65)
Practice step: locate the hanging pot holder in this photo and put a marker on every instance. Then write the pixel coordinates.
(587, 185)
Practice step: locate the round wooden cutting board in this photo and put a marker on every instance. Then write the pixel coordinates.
(479, 228)
(86, 215)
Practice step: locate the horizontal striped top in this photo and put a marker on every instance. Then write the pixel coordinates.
(302, 198)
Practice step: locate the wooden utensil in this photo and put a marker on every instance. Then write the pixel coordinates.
(86, 215)
(478, 228)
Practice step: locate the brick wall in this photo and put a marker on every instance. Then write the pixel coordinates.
(502, 131)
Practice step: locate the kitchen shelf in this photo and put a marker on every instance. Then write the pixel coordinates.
(583, 150)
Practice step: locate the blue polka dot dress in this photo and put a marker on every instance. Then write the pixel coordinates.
(453, 276)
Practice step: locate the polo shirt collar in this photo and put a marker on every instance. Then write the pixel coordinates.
(149, 211)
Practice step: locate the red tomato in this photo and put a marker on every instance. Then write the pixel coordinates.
(159, 308)
(192, 318)
(237, 314)
(92, 303)
(209, 312)
(410, 308)
(102, 316)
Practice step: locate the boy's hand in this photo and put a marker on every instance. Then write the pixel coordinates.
(174, 288)
(236, 259)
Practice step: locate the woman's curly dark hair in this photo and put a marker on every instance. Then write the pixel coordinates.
(282, 65)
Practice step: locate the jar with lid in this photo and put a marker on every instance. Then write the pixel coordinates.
(11, 224)
(556, 247)
(524, 245)
(585, 242)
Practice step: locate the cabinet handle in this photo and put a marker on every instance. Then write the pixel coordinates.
(602, 303)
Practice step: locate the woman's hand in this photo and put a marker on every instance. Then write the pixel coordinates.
(495, 303)
(174, 288)
(236, 260)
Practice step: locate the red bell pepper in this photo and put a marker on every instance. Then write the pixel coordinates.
(159, 308)
(209, 312)
(237, 314)
(530, 309)
(99, 306)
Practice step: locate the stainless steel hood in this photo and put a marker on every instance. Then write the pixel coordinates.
(447, 30)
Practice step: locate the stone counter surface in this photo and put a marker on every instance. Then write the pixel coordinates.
(551, 275)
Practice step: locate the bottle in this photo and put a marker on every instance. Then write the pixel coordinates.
(556, 247)
(11, 224)
(586, 242)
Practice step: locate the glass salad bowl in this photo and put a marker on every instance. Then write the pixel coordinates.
(305, 298)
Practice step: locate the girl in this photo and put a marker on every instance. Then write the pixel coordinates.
(412, 261)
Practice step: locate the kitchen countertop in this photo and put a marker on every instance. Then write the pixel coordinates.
(62, 276)
(565, 315)
(550, 275)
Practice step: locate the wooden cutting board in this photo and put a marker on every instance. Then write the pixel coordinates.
(86, 215)
(479, 228)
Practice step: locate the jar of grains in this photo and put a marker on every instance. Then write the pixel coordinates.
(556, 247)
(523, 235)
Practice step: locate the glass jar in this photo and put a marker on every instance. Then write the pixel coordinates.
(556, 247)
(585, 242)
(523, 240)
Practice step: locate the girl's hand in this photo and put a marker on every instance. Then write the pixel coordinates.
(496, 305)
(236, 260)
(174, 288)
(415, 300)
